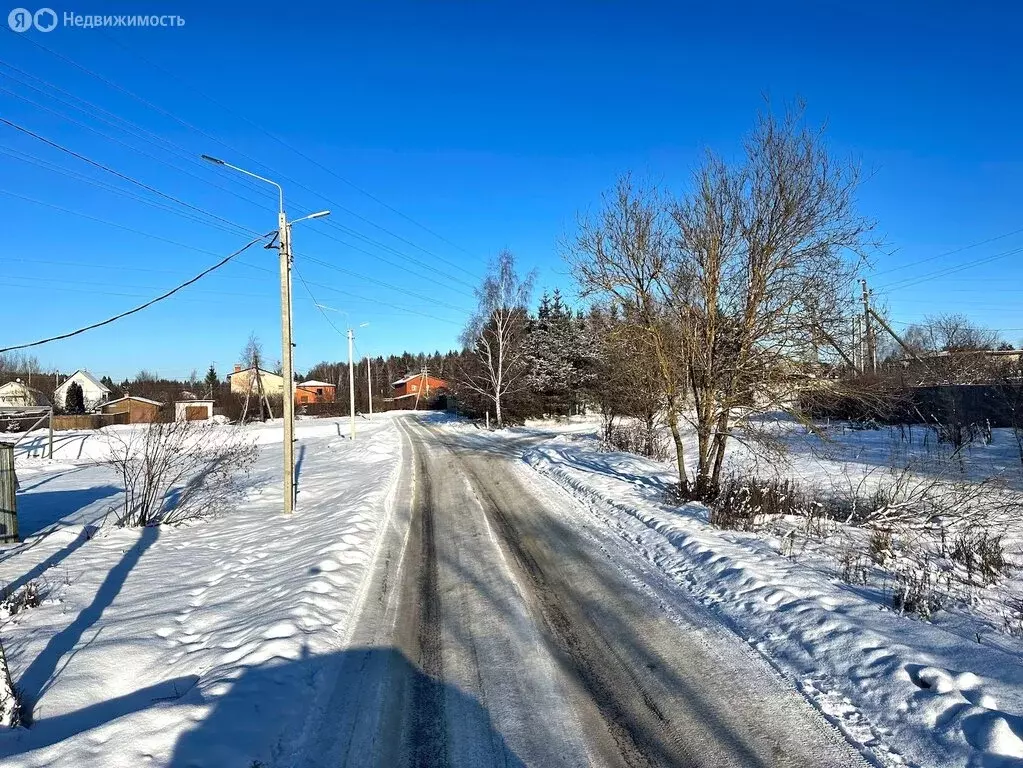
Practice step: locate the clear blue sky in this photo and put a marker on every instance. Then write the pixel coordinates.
(492, 125)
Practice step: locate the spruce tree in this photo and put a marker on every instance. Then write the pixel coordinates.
(74, 399)
(212, 381)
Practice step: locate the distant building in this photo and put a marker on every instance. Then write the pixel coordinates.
(273, 383)
(17, 394)
(140, 410)
(313, 391)
(94, 392)
(419, 386)
(193, 409)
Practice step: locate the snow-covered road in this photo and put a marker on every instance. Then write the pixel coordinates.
(499, 628)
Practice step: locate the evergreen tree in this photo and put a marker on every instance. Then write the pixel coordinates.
(212, 381)
(74, 400)
(560, 357)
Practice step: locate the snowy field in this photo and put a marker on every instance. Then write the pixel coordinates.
(191, 645)
(930, 694)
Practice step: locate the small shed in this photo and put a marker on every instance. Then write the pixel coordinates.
(140, 410)
(193, 410)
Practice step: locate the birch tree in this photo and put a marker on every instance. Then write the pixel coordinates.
(494, 337)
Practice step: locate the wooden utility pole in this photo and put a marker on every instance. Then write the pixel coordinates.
(871, 359)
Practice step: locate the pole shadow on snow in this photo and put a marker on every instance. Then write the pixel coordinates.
(38, 509)
(298, 465)
(260, 720)
(40, 673)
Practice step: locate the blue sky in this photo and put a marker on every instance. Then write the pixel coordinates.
(489, 124)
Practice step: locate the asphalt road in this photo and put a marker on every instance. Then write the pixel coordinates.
(499, 631)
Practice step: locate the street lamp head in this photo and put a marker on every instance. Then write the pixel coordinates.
(318, 215)
(364, 325)
(209, 159)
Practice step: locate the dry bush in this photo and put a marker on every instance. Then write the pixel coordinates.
(745, 503)
(635, 437)
(178, 471)
(13, 603)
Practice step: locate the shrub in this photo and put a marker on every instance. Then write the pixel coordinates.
(742, 502)
(981, 554)
(179, 470)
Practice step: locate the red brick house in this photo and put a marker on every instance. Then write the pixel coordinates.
(314, 392)
(417, 386)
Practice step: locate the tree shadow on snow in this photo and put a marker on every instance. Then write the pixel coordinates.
(381, 711)
(41, 673)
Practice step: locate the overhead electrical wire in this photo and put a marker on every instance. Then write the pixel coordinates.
(190, 156)
(141, 307)
(110, 170)
(188, 125)
(314, 162)
(948, 253)
(927, 277)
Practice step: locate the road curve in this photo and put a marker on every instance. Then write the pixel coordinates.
(497, 633)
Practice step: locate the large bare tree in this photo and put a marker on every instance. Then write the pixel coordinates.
(495, 334)
(736, 282)
(763, 256)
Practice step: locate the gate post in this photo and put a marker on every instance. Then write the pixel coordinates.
(8, 499)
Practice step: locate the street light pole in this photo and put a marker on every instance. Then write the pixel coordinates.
(369, 383)
(284, 235)
(287, 346)
(351, 378)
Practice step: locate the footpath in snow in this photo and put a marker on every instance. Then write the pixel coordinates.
(192, 645)
(911, 693)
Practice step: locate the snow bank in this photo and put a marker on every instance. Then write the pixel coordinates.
(910, 692)
(198, 645)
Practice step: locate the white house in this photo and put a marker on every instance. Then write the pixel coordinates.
(17, 394)
(93, 390)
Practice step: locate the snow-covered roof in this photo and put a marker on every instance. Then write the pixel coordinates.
(88, 377)
(315, 383)
(136, 398)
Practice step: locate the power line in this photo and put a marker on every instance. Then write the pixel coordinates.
(237, 229)
(108, 223)
(116, 173)
(908, 282)
(314, 162)
(381, 283)
(949, 253)
(188, 125)
(141, 307)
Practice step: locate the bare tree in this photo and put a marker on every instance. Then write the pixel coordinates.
(762, 259)
(622, 255)
(494, 337)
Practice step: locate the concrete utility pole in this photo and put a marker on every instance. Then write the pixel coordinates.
(369, 384)
(351, 377)
(287, 346)
(287, 370)
(868, 331)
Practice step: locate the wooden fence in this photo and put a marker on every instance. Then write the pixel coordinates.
(8, 499)
(89, 420)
